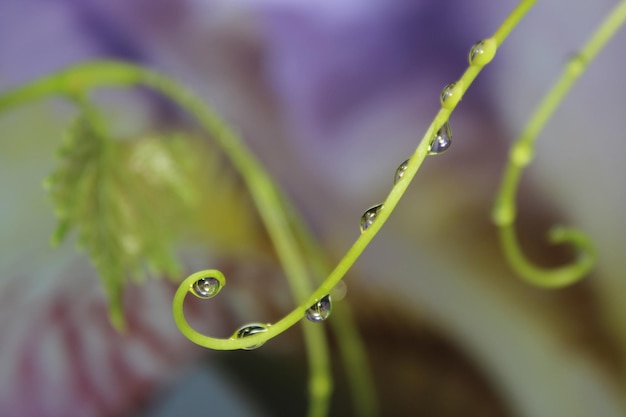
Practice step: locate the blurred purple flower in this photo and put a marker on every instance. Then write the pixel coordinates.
(332, 95)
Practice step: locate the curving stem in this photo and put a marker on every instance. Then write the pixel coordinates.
(232, 343)
(522, 154)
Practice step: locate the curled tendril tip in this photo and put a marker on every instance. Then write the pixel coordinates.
(207, 284)
(551, 278)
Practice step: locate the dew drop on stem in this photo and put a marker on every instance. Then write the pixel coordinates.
(447, 92)
(368, 218)
(206, 287)
(441, 141)
(320, 310)
(249, 330)
(482, 52)
(451, 95)
(475, 51)
(400, 171)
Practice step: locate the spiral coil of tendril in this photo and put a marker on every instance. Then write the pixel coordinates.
(207, 284)
(521, 155)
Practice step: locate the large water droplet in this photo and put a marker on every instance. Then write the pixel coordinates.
(320, 310)
(447, 92)
(451, 95)
(400, 171)
(249, 330)
(368, 218)
(206, 287)
(475, 51)
(441, 141)
(482, 52)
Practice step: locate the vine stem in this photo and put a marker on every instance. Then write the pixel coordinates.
(117, 74)
(521, 155)
(99, 74)
(268, 198)
(349, 341)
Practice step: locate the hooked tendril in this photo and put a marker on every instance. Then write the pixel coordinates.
(103, 74)
(266, 195)
(100, 74)
(521, 154)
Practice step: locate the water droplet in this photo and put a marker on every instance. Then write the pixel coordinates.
(320, 310)
(400, 171)
(482, 52)
(451, 95)
(447, 92)
(441, 141)
(367, 219)
(477, 49)
(206, 287)
(249, 330)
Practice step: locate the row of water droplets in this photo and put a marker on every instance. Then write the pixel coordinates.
(208, 287)
(442, 139)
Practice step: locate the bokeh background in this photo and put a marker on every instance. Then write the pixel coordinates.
(331, 96)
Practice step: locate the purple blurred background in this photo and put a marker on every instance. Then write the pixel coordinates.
(331, 96)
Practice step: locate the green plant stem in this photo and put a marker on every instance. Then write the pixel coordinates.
(349, 341)
(512, 20)
(115, 74)
(521, 154)
(267, 198)
(81, 78)
(268, 201)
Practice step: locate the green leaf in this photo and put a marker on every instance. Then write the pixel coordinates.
(129, 202)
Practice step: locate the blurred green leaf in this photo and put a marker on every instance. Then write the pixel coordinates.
(129, 202)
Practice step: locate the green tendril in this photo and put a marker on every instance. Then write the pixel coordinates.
(102, 74)
(521, 154)
(291, 241)
(77, 80)
(350, 344)
(489, 48)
